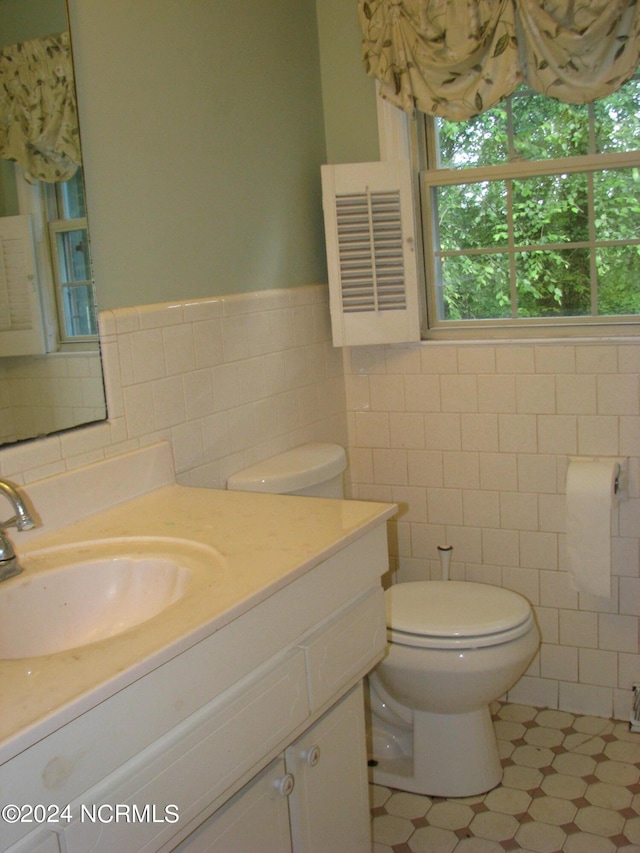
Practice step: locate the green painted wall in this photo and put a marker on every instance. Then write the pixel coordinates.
(8, 192)
(202, 131)
(26, 19)
(203, 128)
(348, 95)
(204, 124)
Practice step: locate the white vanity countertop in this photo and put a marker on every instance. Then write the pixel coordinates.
(264, 542)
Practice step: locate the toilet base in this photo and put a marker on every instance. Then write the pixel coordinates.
(453, 755)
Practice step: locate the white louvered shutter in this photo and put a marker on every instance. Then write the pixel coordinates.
(371, 253)
(21, 331)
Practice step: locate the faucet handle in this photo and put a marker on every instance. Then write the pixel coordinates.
(9, 565)
(21, 522)
(6, 549)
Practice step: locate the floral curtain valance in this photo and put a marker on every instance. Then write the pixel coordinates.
(457, 58)
(38, 113)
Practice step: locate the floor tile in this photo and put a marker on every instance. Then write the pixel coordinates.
(565, 787)
(407, 805)
(571, 785)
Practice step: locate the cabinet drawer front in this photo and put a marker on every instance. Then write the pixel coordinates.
(346, 648)
(190, 769)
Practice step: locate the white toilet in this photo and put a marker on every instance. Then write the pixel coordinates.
(454, 647)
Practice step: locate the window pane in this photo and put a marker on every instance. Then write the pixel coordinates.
(617, 204)
(71, 198)
(544, 129)
(554, 284)
(563, 245)
(475, 287)
(618, 280)
(552, 209)
(472, 215)
(73, 254)
(617, 119)
(481, 141)
(79, 310)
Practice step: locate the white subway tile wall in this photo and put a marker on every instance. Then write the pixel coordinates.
(227, 380)
(40, 394)
(472, 441)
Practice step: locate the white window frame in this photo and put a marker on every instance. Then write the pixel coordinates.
(56, 227)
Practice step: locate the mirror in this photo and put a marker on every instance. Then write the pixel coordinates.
(57, 383)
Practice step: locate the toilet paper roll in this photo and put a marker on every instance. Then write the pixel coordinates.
(590, 497)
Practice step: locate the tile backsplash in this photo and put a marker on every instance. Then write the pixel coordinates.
(227, 381)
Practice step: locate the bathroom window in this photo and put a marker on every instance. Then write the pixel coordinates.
(71, 262)
(531, 216)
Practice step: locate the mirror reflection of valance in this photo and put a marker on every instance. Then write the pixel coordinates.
(38, 113)
(457, 58)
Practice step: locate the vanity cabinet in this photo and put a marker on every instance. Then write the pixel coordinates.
(311, 799)
(252, 739)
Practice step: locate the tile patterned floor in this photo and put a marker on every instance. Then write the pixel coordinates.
(571, 783)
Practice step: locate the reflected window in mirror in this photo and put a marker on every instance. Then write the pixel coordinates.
(70, 260)
(58, 215)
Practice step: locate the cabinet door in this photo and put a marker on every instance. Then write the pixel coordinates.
(256, 820)
(329, 805)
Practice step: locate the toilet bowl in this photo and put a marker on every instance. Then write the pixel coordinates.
(454, 647)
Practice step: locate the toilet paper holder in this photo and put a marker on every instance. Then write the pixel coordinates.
(621, 481)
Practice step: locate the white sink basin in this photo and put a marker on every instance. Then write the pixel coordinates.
(68, 597)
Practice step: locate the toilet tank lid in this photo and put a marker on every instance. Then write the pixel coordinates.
(299, 468)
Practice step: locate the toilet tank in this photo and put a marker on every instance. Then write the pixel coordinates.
(313, 469)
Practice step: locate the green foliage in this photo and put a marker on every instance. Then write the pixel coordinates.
(518, 245)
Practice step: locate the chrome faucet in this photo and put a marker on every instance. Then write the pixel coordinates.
(21, 519)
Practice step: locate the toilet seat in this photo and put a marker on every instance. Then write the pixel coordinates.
(455, 615)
